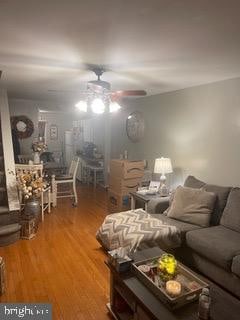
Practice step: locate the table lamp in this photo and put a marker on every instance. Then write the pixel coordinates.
(163, 166)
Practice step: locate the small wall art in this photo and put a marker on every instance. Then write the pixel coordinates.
(53, 132)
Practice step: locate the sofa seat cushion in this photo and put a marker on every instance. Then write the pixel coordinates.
(182, 226)
(236, 266)
(222, 196)
(231, 214)
(218, 244)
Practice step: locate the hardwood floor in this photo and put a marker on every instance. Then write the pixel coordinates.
(63, 264)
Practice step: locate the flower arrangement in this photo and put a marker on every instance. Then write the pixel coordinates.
(39, 146)
(167, 266)
(31, 184)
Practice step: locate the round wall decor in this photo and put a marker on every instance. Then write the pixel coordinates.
(23, 126)
(135, 126)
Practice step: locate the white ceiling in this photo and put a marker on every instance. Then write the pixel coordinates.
(156, 45)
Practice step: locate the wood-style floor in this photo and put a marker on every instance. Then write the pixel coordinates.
(63, 264)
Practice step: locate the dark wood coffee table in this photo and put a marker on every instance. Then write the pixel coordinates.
(139, 303)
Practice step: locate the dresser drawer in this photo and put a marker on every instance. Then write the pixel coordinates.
(124, 186)
(126, 169)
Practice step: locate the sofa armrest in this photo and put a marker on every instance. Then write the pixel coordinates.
(158, 205)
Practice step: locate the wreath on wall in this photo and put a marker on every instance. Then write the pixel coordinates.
(23, 126)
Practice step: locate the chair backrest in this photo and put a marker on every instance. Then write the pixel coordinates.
(24, 158)
(73, 167)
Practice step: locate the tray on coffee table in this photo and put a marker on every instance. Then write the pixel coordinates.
(191, 284)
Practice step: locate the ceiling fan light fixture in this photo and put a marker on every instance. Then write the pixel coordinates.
(97, 106)
(114, 106)
(81, 106)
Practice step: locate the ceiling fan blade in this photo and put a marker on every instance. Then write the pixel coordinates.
(68, 91)
(128, 93)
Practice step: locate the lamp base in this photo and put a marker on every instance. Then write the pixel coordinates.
(163, 190)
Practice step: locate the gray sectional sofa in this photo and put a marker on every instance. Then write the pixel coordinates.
(214, 250)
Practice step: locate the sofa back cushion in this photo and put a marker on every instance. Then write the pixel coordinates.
(231, 214)
(192, 182)
(222, 196)
(192, 205)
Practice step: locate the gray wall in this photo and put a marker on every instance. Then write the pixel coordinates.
(198, 128)
(30, 108)
(63, 121)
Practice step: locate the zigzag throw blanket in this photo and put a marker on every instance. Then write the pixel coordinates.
(136, 229)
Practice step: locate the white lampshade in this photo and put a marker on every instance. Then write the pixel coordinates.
(163, 165)
(98, 106)
(81, 105)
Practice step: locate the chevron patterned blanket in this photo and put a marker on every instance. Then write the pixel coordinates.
(135, 230)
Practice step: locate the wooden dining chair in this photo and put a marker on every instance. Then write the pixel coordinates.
(68, 179)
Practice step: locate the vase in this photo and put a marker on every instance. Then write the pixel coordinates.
(36, 158)
(32, 208)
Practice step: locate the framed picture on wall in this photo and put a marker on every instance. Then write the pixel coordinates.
(42, 130)
(53, 132)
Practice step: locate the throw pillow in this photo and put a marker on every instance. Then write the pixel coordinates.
(192, 182)
(192, 205)
(231, 214)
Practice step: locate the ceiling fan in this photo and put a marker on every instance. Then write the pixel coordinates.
(98, 94)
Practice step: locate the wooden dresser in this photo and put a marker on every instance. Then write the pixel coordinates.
(125, 177)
